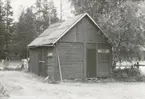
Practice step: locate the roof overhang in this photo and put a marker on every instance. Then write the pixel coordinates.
(41, 46)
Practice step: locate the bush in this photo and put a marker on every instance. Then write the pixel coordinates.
(140, 78)
(128, 74)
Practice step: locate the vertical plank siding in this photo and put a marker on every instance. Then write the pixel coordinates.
(86, 35)
(40, 64)
(84, 32)
(71, 60)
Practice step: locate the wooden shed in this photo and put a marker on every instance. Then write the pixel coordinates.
(77, 48)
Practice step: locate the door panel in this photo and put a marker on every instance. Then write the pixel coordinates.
(103, 60)
(91, 63)
(42, 62)
(103, 65)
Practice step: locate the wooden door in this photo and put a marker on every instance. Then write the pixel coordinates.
(91, 63)
(33, 65)
(42, 62)
(103, 52)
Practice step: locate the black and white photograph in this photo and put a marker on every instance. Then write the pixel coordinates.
(72, 49)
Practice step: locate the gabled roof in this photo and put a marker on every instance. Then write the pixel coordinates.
(56, 31)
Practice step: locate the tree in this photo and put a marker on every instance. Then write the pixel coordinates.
(125, 30)
(2, 30)
(8, 23)
(46, 14)
(25, 31)
(119, 20)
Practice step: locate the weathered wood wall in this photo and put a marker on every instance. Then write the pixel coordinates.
(40, 63)
(71, 60)
(72, 48)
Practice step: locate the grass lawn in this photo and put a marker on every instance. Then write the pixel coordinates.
(21, 85)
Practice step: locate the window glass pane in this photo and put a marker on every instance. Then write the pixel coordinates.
(103, 51)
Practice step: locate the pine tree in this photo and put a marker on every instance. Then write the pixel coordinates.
(2, 30)
(25, 31)
(8, 23)
(46, 14)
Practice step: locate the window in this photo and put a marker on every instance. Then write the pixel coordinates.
(103, 51)
(50, 54)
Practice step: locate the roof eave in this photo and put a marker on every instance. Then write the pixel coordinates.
(52, 45)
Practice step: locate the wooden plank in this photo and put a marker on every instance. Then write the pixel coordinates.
(84, 35)
(97, 60)
(59, 68)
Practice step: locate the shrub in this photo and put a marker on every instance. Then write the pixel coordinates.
(128, 74)
(140, 78)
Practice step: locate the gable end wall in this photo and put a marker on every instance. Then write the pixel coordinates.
(86, 31)
(83, 33)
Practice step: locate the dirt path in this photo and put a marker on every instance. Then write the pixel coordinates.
(25, 86)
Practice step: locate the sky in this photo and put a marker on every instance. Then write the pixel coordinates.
(19, 5)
